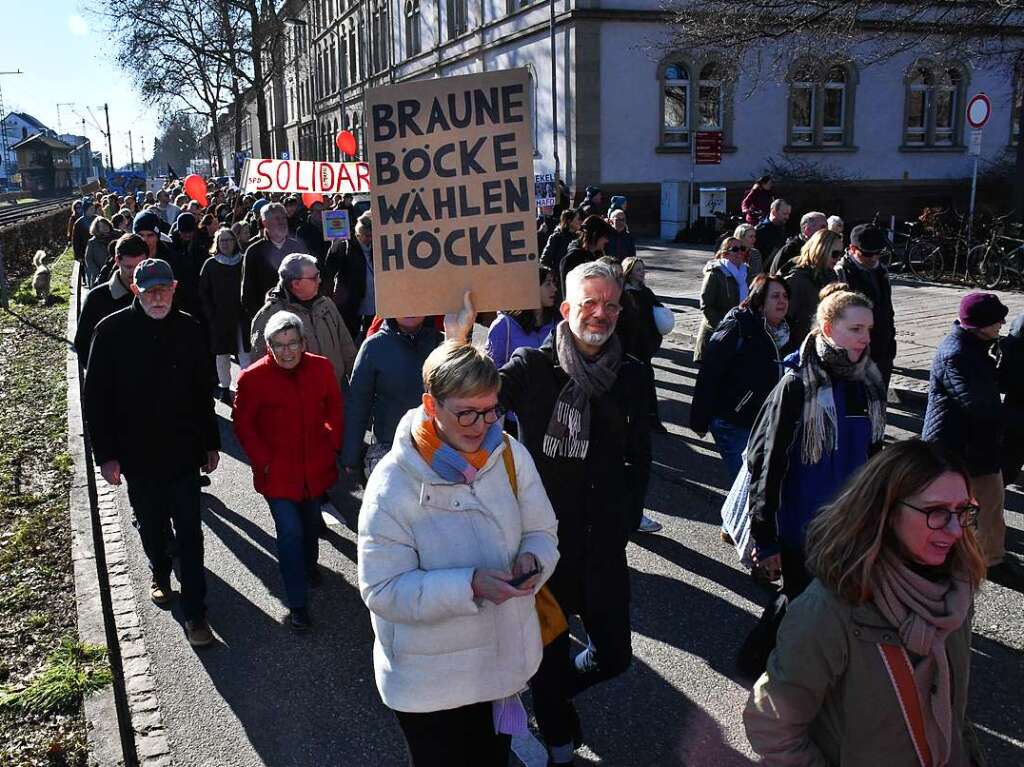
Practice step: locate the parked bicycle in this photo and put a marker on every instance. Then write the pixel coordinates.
(999, 262)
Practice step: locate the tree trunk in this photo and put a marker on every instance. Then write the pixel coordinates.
(218, 154)
(258, 81)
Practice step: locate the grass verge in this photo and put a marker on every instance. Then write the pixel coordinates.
(43, 670)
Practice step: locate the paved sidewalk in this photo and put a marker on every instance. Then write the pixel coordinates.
(924, 311)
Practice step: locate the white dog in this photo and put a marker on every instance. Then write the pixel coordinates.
(41, 279)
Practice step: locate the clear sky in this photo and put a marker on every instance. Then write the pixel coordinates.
(66, 60)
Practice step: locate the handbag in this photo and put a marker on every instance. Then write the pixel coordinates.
(736, 515)
(552, 620)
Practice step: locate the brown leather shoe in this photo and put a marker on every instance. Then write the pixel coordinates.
(198, 633)
(160, 593)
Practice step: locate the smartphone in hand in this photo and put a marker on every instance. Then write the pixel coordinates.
(519, 580)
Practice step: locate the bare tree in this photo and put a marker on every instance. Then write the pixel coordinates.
(773, 33)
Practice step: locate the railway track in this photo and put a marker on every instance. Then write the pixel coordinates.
(12, 214)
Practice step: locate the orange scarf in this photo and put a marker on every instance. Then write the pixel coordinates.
(430, 447)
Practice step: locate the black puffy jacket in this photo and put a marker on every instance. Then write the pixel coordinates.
(874, 283)
(965, 413)
(740, 367)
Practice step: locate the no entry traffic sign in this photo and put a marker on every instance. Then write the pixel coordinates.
(979, 109)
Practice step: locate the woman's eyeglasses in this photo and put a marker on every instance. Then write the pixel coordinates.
(470, 417)
(938, 517)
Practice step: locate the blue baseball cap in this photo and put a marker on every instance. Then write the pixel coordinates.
(152, 273)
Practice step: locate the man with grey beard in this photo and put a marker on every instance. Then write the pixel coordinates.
(581, 403)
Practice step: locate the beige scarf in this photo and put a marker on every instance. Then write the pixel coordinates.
(925, 613)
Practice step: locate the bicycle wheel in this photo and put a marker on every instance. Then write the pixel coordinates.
(924, 259)
(984, 266)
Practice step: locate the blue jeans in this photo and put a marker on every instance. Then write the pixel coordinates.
(731, 440)
(298, 545)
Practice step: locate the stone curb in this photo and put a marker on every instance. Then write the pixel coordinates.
(105, 749)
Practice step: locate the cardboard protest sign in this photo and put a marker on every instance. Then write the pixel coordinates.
(544, 184)
(336, 225)
(451, 163)
(299, 176)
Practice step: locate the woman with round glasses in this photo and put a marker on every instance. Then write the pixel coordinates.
(726, 284)
(872, 661)
(288, 418)
(456, 534)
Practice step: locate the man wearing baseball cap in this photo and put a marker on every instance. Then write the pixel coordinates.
(965, 413)
(151, 420)
(861, 268)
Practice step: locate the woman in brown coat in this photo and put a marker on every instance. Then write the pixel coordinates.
(726, 283)
(897, 567)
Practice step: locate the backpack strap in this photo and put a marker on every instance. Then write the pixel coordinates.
(901, 674)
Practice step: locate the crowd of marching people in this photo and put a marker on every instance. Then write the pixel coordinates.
(502, 482)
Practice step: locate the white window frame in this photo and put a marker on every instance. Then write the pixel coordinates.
(685, 83)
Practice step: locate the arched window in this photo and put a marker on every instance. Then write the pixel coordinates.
(675, 123)
(934, 98)
(820, 104)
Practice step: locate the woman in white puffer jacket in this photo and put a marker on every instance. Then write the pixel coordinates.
(443, 536)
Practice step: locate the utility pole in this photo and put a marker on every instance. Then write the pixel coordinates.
(4, 146)
(110, 146)
(131, 151)
(554, 99)
(142, 145)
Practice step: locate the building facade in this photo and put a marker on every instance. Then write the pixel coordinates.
(44, 164)
(82, 170)
(16, 127)
(628, 105)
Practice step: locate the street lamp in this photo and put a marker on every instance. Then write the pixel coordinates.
(291, 21)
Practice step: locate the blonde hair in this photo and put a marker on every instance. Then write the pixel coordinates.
(724, 246)
(817, 251)
(847, 537)
(457, 369)
(742, 229)
(833, 301)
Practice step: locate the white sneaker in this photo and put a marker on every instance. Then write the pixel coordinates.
(648, 525)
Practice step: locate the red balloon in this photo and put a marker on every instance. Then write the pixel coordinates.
(308, 198)
(346, 142)
(195, 187)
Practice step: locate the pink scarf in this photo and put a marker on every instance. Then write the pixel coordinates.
(925, 613)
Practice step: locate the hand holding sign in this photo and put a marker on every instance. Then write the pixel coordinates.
(458, 326)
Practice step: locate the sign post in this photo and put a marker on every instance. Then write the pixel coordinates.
(979, 109)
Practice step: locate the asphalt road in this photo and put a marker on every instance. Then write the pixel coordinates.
(264, 696)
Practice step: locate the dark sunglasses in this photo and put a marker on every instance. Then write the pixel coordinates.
(938, 518)
(738, 249)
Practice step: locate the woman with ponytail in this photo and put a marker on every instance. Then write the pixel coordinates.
(816, 429)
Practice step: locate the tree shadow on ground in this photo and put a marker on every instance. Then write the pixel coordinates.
(997, 677)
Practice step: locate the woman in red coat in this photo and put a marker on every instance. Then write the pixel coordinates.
(758, 201)
(288, 418)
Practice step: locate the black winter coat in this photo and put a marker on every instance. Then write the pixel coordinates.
(312, 236)
(874, 283)
(621, 246)
(740, 367)
(345, 268)
(1011, 372)
(220, 290)
(147, 394)
(575, 255)
(965, 413)
(647, 339)
(555, 248)
(100, 302)
(598, 499)
(787, 253)
(259, 274)
(768, 238)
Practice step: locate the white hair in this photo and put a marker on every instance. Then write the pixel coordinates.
(591, 270)
(272, 207)
(742, 229)
(807, 218)
(292, 265)
(833, 222)
(280, 322)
